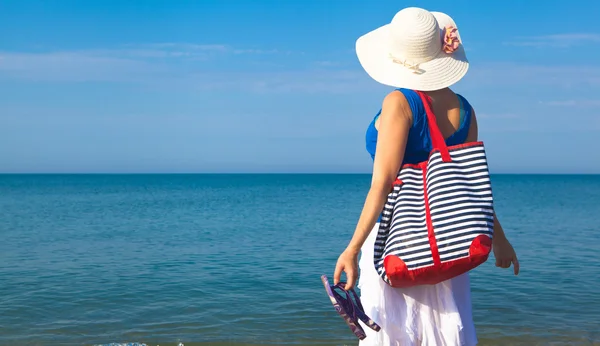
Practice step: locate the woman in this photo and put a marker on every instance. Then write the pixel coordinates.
(418, 50)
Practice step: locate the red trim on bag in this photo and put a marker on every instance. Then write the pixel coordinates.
(397, 182)
(458, 147)
(465, 145)
(400, 276)
(430, 233)
(396, 271)
(411, 165)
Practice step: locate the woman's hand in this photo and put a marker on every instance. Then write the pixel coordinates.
(505, 254)
(348, 263)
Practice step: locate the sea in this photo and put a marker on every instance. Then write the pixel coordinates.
(236, 259)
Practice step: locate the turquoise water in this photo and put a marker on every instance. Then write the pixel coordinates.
(236, 259)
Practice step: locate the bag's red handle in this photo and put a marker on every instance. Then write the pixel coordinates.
(437, 140)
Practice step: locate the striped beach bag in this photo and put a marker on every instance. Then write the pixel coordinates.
(438, 220)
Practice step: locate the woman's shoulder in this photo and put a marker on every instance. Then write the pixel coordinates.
(397, 102)
(402, 94)
(406, 99)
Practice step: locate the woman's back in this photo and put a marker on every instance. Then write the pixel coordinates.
(453, 113)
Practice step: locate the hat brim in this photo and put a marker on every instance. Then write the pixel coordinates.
(441, 72)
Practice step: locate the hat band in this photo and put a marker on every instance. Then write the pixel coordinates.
(414, 67)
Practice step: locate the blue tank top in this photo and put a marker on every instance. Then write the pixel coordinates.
(419, 145)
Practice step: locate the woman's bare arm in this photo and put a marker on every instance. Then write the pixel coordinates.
(473, 136)
(503, 250)
(394, 124)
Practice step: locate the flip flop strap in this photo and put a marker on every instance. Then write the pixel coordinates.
(356, 300)
(346, 303)
(357, 307)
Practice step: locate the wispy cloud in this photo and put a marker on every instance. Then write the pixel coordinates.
(327, 63)
(165, 50)
(154, 68)
(172, 50)
(221, 67)
(126, 63)
(311, 81)
(187, 49)
(573, 103)
(556, 41)
(497, 116)
(76, 66)
(515, 74)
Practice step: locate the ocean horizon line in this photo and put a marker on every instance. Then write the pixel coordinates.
(268, 173)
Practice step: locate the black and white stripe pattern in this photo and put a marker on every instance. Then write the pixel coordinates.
(460, 204)
(403, 225)
(460, 200)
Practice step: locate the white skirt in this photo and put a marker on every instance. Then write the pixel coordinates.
(428, 315)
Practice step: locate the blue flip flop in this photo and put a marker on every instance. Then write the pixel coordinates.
(351, 310)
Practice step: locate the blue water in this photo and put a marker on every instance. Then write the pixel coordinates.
(236, 259)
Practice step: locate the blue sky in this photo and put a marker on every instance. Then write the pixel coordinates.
(275, 86)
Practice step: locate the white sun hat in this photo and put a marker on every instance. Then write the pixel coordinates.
(418, 50)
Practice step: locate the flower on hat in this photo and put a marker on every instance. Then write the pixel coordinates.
(450, 39)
